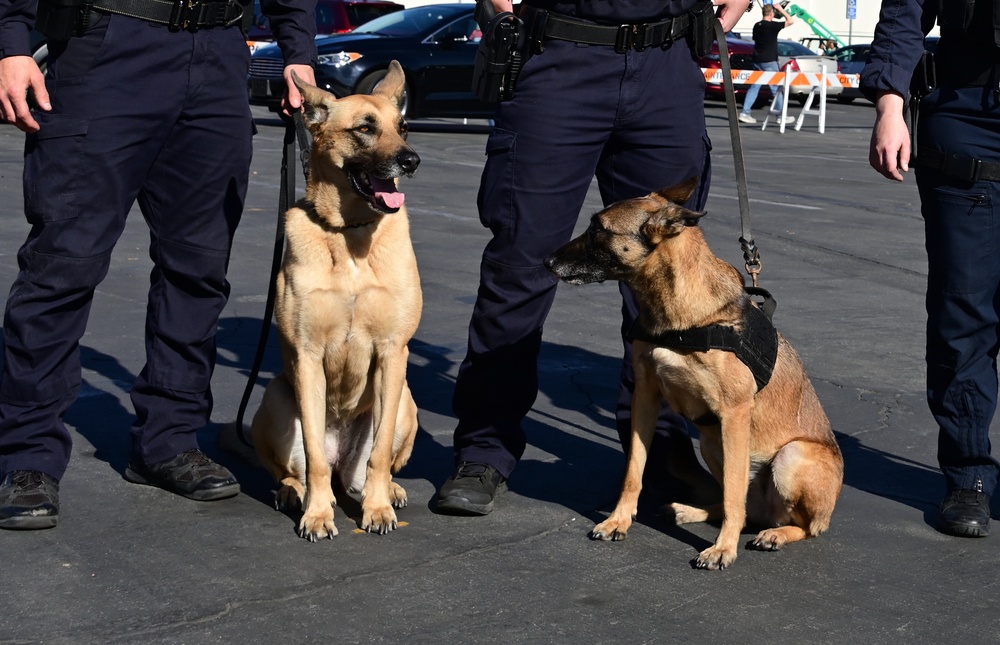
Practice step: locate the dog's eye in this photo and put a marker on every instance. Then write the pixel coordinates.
(404, 129)
(364, 129)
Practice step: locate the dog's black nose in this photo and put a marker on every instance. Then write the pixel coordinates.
(408, 161)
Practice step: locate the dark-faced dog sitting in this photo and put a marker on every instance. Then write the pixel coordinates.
(764, 435)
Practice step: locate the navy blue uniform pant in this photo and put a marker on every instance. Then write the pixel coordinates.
(143, 114)
(634, 120)
(962, 221)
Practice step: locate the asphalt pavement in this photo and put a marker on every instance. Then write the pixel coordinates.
(842, 251)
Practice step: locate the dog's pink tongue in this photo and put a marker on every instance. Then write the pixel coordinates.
(386, 193)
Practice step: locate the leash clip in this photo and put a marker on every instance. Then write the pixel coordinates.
(751, 256)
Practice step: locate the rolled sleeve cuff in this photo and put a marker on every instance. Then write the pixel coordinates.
(14, 40)
(881, 77)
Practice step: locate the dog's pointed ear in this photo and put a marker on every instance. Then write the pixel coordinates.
(669, 219)
(316, 103)
(680, 193)
(392, 84)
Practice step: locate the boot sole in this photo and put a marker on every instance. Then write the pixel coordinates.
(965, 530)
(29, 523)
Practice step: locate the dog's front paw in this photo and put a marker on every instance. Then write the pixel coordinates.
(379, 520)
(715, 557)
(314, 526)
(397, 495)
(611, 529)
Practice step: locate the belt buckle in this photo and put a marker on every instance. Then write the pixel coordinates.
(183, 16)
(624, 38)
(639, 37)
(962, 167)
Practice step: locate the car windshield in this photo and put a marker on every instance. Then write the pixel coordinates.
(790, 48)
(409, 22)
(851, 54)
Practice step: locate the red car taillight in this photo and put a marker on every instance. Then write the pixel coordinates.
(791, 66)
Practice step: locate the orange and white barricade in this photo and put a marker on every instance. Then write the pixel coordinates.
(785, 80)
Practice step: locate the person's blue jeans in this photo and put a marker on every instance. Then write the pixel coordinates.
(754, 90)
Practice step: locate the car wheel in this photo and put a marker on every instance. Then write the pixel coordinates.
(368, 83)
(845, 99)
(41, 56)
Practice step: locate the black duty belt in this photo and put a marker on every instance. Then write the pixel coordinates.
(177, 14)
(622, 37)
(958, 166)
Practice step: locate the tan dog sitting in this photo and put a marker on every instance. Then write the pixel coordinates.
(764, 434)
(348, 301)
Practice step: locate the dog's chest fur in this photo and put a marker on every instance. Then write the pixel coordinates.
(345, 296)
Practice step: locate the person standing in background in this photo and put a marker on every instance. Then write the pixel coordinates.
(765, 55)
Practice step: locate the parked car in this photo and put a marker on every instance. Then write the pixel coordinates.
(435, 44)
(851, 60)
(796, 57)
(740, 57)
(332, 17)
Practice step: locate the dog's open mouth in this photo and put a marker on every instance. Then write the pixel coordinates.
(380, 193)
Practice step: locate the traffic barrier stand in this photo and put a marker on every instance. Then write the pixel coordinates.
(807, 108)
(818, 87)
(782, 114)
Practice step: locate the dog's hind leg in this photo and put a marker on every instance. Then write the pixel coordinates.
(402, 447)
(277, 438)
(406, 430)
(807, 476)
(684, 514)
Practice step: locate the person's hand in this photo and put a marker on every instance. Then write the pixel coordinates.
(730, 11)
(890, 145)
(292, 101)
(503, 5)
(18, 75)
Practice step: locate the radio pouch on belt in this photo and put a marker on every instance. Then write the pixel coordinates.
(63, 19)
(702, 28)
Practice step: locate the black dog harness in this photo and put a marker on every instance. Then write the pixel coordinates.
(756, 345)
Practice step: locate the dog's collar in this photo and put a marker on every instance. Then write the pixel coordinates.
(349, 226)
(756, 345)
(327, 226)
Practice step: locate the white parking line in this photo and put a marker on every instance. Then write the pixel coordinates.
(764, 201)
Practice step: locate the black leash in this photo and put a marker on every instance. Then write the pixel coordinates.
(751, 255)
(286, 196)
